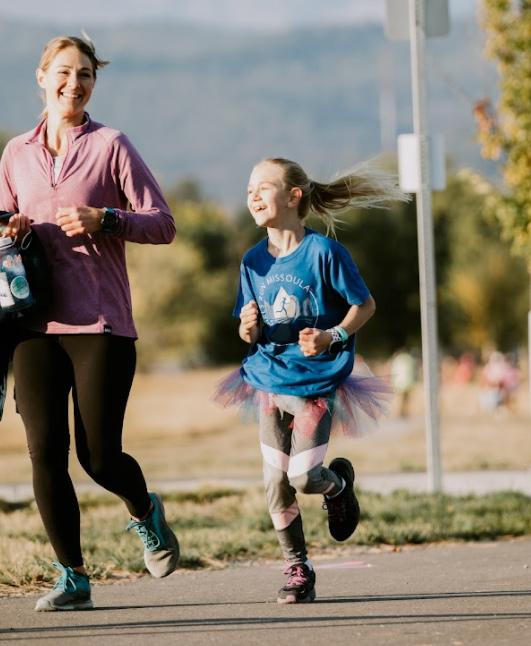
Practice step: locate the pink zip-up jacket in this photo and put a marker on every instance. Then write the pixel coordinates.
(89, 276)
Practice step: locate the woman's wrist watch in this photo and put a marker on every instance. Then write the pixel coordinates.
(339, 339)
(109, 220)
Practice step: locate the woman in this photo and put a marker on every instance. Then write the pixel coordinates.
(74, 178)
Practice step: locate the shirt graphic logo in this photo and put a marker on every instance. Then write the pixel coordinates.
(285, 306)
(286, 310)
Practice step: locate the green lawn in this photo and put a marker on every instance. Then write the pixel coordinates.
(219, 526)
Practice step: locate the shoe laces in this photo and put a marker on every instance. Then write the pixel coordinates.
(297, 575)
(66, 580)
(146, 531)
(336, 507)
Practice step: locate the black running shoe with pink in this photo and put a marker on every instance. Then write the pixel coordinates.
(300, 586)
(343, 509)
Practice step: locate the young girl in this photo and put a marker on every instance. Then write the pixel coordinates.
(300, 302)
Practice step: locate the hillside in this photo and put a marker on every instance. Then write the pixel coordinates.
(208, 104)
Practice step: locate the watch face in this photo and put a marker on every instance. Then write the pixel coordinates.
(335, 347)
(109, 221)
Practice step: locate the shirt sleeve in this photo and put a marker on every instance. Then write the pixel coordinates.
(345, 277)
(245, 291)
(150, 220)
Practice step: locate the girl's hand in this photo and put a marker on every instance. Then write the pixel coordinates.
(249, 316)
(313, 341)
(249, 330)
(17, 227)
(75, 221)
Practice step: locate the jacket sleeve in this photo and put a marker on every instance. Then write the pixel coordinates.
(150, 220)
(8, 198)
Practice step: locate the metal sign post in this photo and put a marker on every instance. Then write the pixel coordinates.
(421, 161)
(428, 304)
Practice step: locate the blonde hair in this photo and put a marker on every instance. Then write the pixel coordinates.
(83, 45)
(363, 186)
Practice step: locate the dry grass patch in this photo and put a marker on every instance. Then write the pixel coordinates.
(175, 431)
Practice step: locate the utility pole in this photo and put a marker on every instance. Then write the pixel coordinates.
(424, 18)
(428, 302)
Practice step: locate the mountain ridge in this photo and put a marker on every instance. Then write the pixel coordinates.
(207, 105)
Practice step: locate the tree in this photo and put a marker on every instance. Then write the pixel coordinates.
(507, 135)
(483, 296)
(183, 293)
(481, 288)
(383, 244)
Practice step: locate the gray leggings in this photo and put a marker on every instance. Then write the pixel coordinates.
(293, 463)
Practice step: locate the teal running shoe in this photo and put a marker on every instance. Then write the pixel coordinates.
(71, 592)
(161, 548)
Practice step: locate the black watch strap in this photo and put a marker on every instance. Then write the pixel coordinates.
(109, 220)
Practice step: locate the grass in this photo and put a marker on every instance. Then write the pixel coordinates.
(175, 431)
(219, 526)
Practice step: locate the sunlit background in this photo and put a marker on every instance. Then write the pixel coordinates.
(204, 90)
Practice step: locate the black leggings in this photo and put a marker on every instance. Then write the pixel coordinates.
(99, 370)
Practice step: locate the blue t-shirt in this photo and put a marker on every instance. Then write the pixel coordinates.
(312, 287)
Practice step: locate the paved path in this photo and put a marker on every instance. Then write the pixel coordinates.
(455, 482)
(457, 594)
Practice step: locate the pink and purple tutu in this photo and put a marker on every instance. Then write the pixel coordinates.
(357, 403)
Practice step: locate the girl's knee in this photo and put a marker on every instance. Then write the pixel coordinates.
(275, 481)
(316, 480)
(278, 490)
(305, 482)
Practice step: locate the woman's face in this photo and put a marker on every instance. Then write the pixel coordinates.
(68, 84)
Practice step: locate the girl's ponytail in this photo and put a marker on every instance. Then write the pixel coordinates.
(364, 186)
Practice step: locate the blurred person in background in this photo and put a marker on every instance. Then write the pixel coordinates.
(404, 376)
(465, 369)
(512, 379)
(499, 383)
(88, 191)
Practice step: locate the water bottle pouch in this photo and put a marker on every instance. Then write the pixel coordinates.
(37, 269)
(25, 284)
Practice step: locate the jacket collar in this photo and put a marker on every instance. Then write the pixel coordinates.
(37, 135)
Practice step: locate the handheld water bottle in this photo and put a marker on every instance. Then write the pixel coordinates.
(15, 293)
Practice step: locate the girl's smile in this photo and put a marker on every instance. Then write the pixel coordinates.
(267, 199)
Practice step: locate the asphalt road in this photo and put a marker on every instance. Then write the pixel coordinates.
(454, 482)
(453, 594)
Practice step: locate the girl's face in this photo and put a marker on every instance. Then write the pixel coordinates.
(68, 84)
(267, 199)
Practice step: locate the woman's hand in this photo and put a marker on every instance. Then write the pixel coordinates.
(17, 227)
(249, 322)
(313, 341)
(78, 220)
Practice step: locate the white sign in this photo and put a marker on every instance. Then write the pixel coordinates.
(437, 18)
(409, 163)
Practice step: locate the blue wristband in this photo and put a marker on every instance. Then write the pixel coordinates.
(344, 335)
